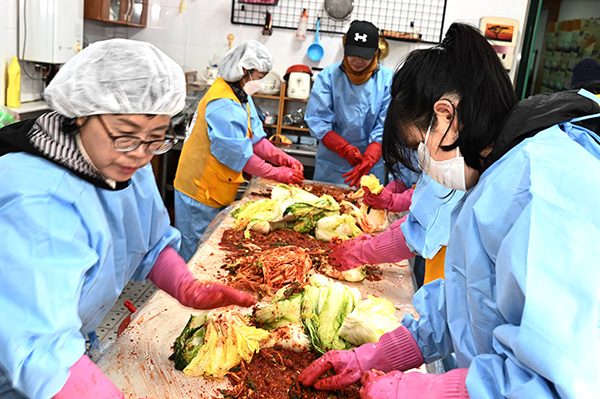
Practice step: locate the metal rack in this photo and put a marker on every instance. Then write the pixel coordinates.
(406, 20)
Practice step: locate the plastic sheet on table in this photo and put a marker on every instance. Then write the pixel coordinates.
(137, 362)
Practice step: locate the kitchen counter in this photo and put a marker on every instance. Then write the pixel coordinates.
(304, 153)
(137, 362)
(31, 109)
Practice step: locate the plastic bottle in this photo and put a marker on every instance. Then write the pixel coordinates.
(302, 25)
(13, 90)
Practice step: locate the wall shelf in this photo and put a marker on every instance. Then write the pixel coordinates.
(132, 13)
(283, 104)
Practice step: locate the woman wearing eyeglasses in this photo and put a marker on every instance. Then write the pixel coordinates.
(81, 216)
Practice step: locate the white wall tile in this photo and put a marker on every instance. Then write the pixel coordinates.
(198, 31)
(31, 82)
(8, 16)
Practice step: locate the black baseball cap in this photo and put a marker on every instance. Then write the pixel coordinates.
(362, 39)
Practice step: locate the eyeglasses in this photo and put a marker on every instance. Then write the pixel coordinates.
(130, 143)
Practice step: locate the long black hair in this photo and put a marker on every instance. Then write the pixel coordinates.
(464, 66)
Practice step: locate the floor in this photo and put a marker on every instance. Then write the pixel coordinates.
(136, 292)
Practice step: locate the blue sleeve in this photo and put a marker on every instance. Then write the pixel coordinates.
(320, 114)
(385, 97)
(41, 278)
(548, 294)
(161, 233)
(227, 124)
(430, 331)
(258, 132)
(427, 227)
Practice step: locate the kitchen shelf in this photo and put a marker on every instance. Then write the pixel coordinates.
(299, 129)
(295, 99)
(265, 96)
(283, 104)
(132, 13)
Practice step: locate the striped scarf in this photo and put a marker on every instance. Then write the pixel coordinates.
(48, 139)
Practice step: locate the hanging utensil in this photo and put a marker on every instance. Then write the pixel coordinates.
(338, 10)
(315, 51)
(268, 26)
(384, 48)
(230, 38)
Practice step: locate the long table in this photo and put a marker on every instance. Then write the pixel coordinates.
(137, 362)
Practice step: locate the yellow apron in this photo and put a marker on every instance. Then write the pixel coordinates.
(434, 267)
(199, 174)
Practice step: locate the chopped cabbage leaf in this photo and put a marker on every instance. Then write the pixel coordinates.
(369, 320)
(226, 341)
(341, 226)
(371, 182)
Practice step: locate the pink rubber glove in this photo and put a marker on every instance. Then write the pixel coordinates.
(414, 385)
(396, 186)
(340, 145)
(267, 151)
(170, 273)
(386, 199)
(257, 167)
(369, 158)
(387, 247)
(86, 381)
(396, 350)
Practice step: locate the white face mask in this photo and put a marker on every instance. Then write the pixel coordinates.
(449, 173)
(253, 86)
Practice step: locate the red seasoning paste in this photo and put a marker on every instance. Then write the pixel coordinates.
(273, 374)
(244, 261)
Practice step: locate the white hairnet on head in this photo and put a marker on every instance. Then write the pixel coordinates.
(248, 55)
(118, 76)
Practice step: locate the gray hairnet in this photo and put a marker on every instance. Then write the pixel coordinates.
(118, 76)
(248, 55)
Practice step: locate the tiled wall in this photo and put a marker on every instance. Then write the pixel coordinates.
(30, 88)
(199, 32)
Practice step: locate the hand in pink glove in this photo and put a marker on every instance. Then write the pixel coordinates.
(349, 254)
(369, 158)
(287, 175)
(396, 186)
(86, 381)
(208, 296)
(396, 350)
(258, 167)
(340, 145)
(414, 385)
(387, 247)
(170, 273)
(267, 151)
(386, 199)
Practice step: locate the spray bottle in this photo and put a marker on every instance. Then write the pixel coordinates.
(13, 90)
(302, 25)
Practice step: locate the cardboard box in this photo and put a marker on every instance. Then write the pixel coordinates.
(573, 60)
(552, 81)
(546, 77)
(565, 59)
(559, 81)
(555, 62)
(567, 81)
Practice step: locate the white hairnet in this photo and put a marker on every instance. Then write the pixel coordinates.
(248, 55)
(118, 76)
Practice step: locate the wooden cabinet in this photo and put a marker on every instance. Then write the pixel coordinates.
(287, 106)
(122, 12)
